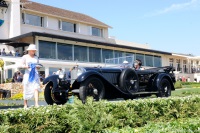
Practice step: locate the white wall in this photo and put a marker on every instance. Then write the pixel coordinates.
(105, 33)
(4, 29)
(83, 29)
(15, 18)
(165, 60)
(52, 23)
(25, 28)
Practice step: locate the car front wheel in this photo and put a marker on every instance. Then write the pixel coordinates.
(93, 87)
(53, 97)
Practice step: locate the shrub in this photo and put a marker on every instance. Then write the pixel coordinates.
(18, 96)
(185, 125)
(102, 116)
(191, 84)
(178, 85)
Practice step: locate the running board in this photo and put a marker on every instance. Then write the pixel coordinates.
(137, 93)
(145, 92)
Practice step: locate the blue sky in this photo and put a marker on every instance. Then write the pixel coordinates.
(166, 25)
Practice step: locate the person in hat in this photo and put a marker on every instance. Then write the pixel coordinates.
(125, 64)
(31, 80)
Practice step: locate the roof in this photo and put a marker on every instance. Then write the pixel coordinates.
(58, 12)
(34, 34)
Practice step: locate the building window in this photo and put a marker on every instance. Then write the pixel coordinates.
(94, 55)
(171, 62)
(185, 66)
(10, 73)
(119, 57)
(157, 61)
(80, 53)
(106, 54)
(178, 65)
(97, 32)
(67, 26)
(47, 50)
(130, 58)
(119, 54)
(149, 60)
(33, 20)
(64, 51)
(140, 57)
(53, 70)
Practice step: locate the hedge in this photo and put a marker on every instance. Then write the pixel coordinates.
(178, 85)
(103, 116)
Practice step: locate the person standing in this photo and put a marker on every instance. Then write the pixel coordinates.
(3, 53)
(60, 72)
(31, 80)
(17, 53)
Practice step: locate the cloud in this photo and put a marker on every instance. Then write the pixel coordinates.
(192, 4)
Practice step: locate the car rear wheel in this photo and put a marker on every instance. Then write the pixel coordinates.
(164, 89)
(93, 87)
(56, 97)
(129, 81)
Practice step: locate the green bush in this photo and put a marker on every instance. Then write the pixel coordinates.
(18, 96)
(103, 116)
(190, 83)
(178, 85)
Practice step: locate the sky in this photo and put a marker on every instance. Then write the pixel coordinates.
(165, 25)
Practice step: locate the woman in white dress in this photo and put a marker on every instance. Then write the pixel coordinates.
(31, 80)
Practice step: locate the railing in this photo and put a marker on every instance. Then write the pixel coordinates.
(11, 54)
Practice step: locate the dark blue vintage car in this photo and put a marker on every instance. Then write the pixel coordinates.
(109, 83)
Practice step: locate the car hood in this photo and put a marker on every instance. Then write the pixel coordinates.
(104, 69)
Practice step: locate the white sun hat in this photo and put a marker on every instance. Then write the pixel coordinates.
(31, 47)
(125, 62)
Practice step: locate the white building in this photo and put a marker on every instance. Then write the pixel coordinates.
(65, 38)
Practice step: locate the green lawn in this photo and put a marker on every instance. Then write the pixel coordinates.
(186, 91)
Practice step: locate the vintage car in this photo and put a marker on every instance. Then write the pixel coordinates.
(109, 83)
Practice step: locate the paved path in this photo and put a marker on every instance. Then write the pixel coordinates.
(20, 102)
(30, 102)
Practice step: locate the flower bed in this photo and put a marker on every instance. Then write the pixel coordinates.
(103, 116)
(15, 88)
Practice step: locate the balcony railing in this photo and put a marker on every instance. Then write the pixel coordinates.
(10, 54)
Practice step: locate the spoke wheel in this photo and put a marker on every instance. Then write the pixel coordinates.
(165, 88)
(92, 87)
(56, 97)
(59, 97)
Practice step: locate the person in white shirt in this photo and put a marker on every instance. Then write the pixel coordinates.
(31, 80)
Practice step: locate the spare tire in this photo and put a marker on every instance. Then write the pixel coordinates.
(129, 81)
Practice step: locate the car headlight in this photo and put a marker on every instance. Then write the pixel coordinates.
(61, 75)
(80, 71)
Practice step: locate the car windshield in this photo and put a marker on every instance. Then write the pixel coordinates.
(125, 61)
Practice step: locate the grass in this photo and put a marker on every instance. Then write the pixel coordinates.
(186, 91)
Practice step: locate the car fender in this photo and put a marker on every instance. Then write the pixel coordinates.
(88, 74)
(54, 79)
(159, 77)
